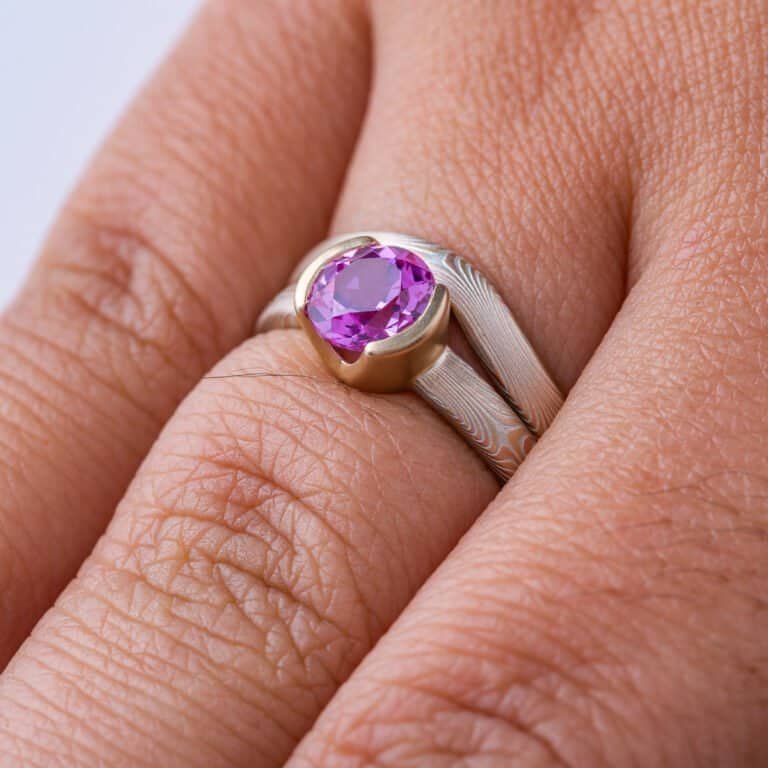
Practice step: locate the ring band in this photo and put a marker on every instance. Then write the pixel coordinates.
(376, 306)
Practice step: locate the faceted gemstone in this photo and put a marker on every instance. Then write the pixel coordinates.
(367, 294)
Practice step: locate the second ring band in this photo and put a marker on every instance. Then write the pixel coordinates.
(376, 306)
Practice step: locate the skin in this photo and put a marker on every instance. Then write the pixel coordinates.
(603, 163)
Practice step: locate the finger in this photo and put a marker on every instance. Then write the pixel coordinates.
(215, 183)
(282, 523)
(266, 542)
(489, 165)
(609, 608)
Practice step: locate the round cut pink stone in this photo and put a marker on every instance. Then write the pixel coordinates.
(367, 294)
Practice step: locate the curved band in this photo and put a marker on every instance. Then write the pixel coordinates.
(501, 422)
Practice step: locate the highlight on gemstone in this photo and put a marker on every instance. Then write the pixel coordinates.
(367, 294)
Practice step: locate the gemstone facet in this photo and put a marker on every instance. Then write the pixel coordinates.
(368, 294)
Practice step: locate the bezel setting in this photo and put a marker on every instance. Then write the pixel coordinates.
(385, 365)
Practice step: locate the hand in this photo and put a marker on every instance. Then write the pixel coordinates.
(604, 165)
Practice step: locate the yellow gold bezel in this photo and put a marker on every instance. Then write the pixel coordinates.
(389, 365)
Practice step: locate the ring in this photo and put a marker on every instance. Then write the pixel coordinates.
(376, 306)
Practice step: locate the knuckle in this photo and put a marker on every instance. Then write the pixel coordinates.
(473, 696)
(424, 721)
(131, 297)
(240, 523)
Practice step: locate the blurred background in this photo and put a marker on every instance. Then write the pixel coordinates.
(67, 69)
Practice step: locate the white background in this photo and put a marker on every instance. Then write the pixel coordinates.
(67, 70)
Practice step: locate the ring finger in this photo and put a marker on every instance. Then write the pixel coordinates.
(158, 266)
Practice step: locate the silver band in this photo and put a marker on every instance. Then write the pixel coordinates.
(476, 411)
(501, 422)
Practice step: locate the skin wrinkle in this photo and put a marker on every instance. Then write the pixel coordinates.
(49, 704)
(260, 462)
(15, 406)
(460, 707)
(387, 428)
(543, 678)
(33, 747)
(193, 556)
(398, 751)
(62, 387)
(23, 436)
(348, 545)
(480, 716)
(90, 725)
(134, 255)
(319, 419)
(207, 663)
(210, 714)
(195, 551)
(173, 687)
(117, 328)
(347, 492)
(93, 477)
(18, 567)
(437, 632)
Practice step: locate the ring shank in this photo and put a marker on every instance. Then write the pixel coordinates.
(502, 347)
(279, 313)
(476, 411)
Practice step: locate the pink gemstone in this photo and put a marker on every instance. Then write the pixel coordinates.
(367, 294)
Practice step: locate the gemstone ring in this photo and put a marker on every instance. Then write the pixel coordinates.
(377, 305)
